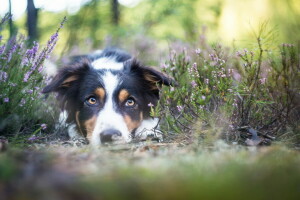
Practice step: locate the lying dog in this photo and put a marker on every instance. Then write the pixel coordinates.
(107, 97)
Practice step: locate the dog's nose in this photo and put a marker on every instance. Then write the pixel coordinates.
(109, 135)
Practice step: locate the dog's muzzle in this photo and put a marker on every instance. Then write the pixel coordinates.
(110, 135)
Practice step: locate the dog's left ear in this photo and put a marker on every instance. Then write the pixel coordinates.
(156, 77)
(67, 77)
(153, 77)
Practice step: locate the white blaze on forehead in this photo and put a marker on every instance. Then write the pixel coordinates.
(107, 63)
(108, 118)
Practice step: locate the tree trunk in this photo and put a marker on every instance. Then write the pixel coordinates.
(115, 12)
(11, 26)
(32, 17)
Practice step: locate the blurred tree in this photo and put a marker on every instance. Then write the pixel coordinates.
(11, 26)
(87, 25)
(32, 18)
(173, 18)
(115, 12)
(286, 15)
(101, 23)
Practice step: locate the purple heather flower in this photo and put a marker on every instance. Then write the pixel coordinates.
(44, 126)
(3, 76)
(2, 48)
(193, 83)
(195, 66)
(164, 66)
(206, 81)
(173, 53)
(26, 76)
(52, 39)
(11, 52)
(62, 23)
(6, 100)
(40, 69)
(25, 61)
(22, 103)
(198, 51)
(32, 138)
(29, 91)
(12, 84)
(150, 104)
(179, 108)
(239, 54)
(30, 53)
(262, 80)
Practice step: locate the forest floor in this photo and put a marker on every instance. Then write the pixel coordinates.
(150, 171)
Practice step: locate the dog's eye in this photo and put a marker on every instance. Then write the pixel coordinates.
(130, 102)
(91, 100)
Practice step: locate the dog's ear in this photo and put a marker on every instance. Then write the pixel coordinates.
(155, 77)
(152, 76)
(66, 77)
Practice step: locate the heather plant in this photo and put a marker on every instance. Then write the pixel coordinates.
(220, 93)
(22, 107)
(204, 89)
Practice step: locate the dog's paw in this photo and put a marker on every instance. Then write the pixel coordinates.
(151, 134)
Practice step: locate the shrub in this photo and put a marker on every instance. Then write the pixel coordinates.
(220, 92)
(22, 107)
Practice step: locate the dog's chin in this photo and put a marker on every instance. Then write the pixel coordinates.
(115, 141)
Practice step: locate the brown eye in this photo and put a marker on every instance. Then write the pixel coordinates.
(130, 102)
(92, 100)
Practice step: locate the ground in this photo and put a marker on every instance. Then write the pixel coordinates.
(150, 171)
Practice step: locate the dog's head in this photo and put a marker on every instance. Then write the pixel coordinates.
(107, 98)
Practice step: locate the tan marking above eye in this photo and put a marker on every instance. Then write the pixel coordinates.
(100, 92)
(123, 95)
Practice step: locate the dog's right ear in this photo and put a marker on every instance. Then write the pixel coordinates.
(66, 77)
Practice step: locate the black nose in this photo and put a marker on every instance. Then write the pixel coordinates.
(109, 134)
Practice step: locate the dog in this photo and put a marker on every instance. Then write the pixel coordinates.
(107, 97)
